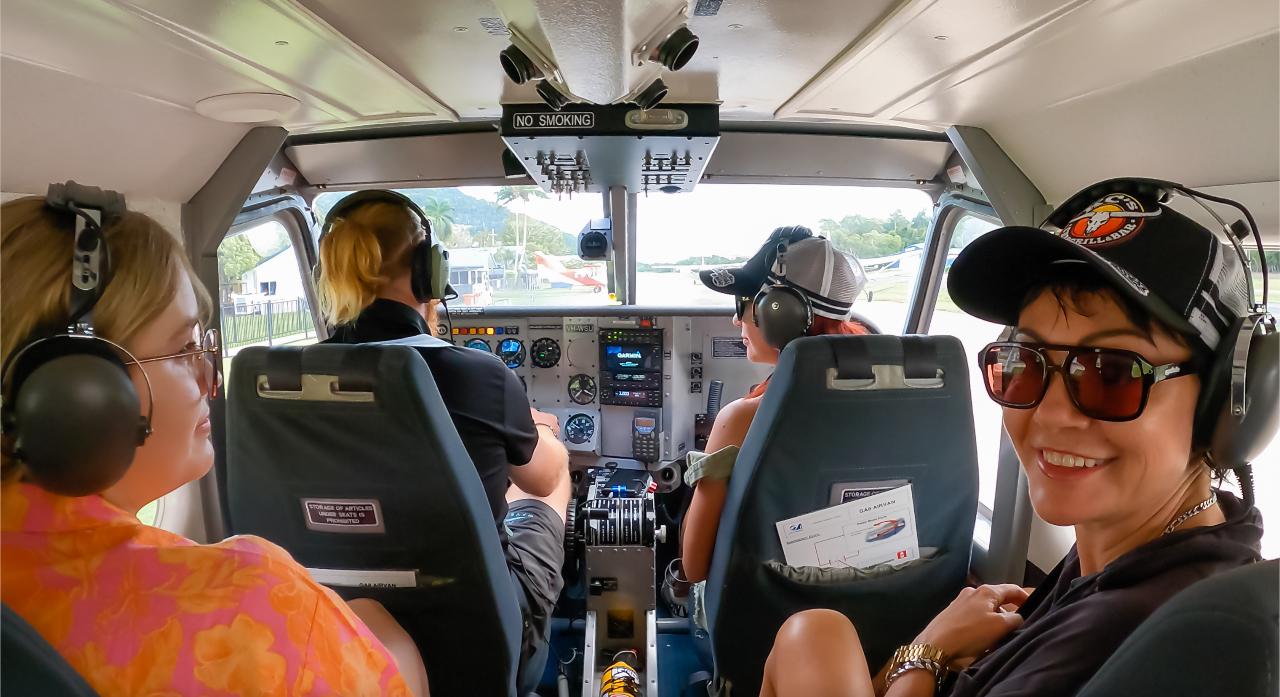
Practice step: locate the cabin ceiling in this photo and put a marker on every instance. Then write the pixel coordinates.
(1072, 90)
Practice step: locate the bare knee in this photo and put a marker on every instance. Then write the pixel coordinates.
(817, 654)
(820, 624)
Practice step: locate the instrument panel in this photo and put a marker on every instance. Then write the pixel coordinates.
(628, 384)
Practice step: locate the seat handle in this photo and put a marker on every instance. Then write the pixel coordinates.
(886, 377)
(315, 388)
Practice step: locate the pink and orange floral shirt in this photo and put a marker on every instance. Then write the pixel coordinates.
(140, 611)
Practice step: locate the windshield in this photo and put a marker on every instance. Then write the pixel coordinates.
(510, 245)
(724, 224)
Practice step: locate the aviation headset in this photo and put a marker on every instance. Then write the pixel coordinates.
(1236, 414)
(69, 410)
(783, 312)
(429, 262)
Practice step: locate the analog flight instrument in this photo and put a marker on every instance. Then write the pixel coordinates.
(580, 429)
(546, 353)
(582, 389)
(512, 352)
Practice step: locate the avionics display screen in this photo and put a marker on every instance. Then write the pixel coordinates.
(623, 358)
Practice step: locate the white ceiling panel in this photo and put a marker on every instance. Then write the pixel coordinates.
(55, 126)
(1204, 122)
(181, 52)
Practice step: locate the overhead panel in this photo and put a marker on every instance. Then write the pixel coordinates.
(589, 147)
(434, 160)
(827, 159)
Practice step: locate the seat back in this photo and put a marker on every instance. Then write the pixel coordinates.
(346, 456)
(1217, 637)
(30, 666)
(842, 412)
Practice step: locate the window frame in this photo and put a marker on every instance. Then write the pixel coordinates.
(1003, 557)
(294, 213)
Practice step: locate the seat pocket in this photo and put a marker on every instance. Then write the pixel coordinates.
(818, 578)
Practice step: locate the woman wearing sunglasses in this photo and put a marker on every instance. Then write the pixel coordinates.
(830, 283)
(135, 609)
(1113, 321)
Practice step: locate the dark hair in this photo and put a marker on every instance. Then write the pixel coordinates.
(1071, 286)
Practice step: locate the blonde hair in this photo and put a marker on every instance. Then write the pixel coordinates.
(360, 254)
(147, 263)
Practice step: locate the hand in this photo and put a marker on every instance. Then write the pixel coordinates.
(975, 621)
(541, 418)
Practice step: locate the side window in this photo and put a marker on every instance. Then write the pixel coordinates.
(150, 513)
(262, 291)
(974, 334)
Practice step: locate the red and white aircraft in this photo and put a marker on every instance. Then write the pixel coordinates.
(552, 271)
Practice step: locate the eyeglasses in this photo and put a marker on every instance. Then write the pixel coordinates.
(740, 305)
(1103, 383)
(204, 359)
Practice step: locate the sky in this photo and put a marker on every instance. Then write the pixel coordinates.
(726, 219)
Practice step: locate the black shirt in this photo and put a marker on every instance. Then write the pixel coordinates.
(1074, 623)
(485, 400)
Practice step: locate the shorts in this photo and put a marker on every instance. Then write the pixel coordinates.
(535, 555)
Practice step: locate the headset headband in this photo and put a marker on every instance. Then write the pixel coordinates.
(364, 196)
(1163, 190)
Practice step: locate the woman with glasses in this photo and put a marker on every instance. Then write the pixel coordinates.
(1112, 323)
(133, 608)
(829, 283)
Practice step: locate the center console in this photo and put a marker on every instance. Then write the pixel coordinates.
(631, 367)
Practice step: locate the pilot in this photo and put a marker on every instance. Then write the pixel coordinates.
(1113, 329)
(830, 284)
(133, 608)
(375, 283)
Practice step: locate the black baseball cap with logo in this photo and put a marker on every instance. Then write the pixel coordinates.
(814, 266)
(1172, 266)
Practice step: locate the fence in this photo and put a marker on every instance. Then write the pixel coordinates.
(266, 323)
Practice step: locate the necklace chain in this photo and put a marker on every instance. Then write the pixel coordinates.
(1192, 512)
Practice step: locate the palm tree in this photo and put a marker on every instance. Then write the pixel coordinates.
(440, 213)
(507, 194)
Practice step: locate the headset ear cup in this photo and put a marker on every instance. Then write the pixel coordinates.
(1215, 386)
(420, 272)
(1239, 438)
(783, 314)
(430, 271)
(76, 417)
(439, 271)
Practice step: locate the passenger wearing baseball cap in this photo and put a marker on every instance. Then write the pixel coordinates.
(1117, 313)
(828, 277)
(825, 283)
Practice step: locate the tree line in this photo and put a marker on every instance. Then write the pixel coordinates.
(866, 237)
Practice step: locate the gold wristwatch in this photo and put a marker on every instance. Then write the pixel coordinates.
(917, 657)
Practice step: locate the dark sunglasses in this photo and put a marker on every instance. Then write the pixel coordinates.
(1103, 383)
(740, 305)
(204, 357)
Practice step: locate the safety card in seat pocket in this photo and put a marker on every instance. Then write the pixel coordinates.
(873, 530)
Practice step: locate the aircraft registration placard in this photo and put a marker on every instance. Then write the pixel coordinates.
(877, 529)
